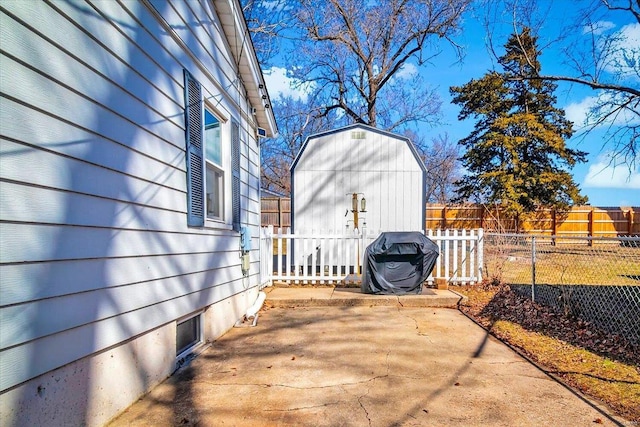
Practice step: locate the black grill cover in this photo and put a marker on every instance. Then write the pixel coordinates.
(397, 263)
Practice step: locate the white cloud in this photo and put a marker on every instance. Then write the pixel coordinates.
(280, 85)
(624, 57)
(407, 71)
(582, 113)
(598, 28)
(577, 111)
(273, 5)
(619, 50)
(603, 174)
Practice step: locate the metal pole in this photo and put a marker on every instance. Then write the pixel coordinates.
(533, 268)
(361, 250)
(480, 251)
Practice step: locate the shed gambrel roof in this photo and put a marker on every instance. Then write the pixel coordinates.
(367, 128)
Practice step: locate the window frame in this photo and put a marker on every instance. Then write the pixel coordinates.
(222, 169)
(199, 341)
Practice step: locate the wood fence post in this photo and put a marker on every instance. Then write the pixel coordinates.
(441, 284)
(444, 218)
(630, 222)
(590, 231)
(554, 226)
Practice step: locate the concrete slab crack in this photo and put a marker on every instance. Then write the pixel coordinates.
(416, 324)
(266, 385)
(366, 413)
(361, 397)
(302, 408)
(387, 362)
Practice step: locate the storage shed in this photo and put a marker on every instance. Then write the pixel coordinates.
(335, 170)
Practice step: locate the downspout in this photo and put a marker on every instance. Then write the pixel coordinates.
(250, 318)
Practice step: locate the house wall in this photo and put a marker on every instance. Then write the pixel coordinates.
(334, 165)
(96, 259)
(90, 391)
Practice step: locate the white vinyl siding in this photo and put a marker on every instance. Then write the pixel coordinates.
(95, 244)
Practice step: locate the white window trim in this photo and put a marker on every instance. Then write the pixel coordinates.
(224, 223)
(193, 349)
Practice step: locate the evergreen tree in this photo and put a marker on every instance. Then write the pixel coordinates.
(516, 155)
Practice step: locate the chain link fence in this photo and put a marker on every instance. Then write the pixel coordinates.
(595, 279)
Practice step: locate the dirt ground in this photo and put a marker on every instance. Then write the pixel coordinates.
(362, 366)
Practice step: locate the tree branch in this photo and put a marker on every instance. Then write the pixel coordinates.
(590, 83)
(630, 8)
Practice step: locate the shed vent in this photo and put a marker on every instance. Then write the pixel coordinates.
(358, 134)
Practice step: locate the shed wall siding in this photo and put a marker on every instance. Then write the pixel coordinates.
(334, 166)
(95, 246)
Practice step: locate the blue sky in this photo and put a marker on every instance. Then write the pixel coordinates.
(602, 183)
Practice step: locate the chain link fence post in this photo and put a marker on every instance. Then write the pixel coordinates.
(533, 268)
(480, 250)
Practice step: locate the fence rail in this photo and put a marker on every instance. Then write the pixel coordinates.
(595, 279)
(557, 260)
(579, 221)
(337, 258)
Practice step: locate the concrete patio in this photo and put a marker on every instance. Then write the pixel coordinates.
(328, 357)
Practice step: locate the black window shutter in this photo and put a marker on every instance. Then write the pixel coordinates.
(194, 150)
(235, 171)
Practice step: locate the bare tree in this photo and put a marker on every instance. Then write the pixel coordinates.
(358, 62)
(443, 167)
(268, 23)
(298, 119)
(363, 56)
(599, 55)
(441, 158)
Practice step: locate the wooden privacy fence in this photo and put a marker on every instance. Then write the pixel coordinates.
(579, 221)
(276, 211)
(325, 258)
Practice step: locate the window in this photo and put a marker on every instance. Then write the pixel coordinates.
(188, 334)
(214, 184)
(213, 162)
(358, 134)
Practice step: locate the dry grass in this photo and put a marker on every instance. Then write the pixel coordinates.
(509, 262)
(563, 347)
(612, 382)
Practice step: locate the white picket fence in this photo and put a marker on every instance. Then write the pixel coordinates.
(315, 258)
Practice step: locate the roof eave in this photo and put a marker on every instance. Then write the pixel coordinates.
(237, 33)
